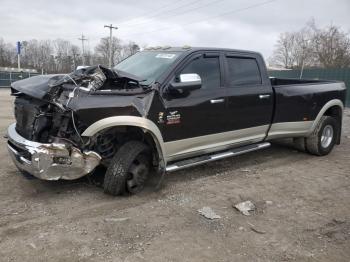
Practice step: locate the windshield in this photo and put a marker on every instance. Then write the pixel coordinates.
(148, 65)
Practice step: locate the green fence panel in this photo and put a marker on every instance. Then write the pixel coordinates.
(6, 78)
(4, 82)
(340, 74)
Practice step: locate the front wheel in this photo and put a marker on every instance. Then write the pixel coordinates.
(128, 170)
(323, 139)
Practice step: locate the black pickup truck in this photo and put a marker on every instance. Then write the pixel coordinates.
(165, 109)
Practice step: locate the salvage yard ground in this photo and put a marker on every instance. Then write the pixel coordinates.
(303, 211)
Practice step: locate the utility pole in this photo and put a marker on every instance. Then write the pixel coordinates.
(18, 55)
(110, 43)
(82, 46)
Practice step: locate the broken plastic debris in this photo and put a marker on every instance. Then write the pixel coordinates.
(116, 219)
(32, 245)
(245, 207)
(209, 213)
(253, 228)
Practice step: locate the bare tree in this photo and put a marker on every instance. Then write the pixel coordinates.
(129, 49)
(294, 49)
(45, 51)
(61, 56)
(74, 53)
(7, 54)
(332, 47)
(312, 47)
(102, 50)
(283, 54)
(37, 54)
(63, 60)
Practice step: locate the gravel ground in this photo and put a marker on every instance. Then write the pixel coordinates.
(303, 211)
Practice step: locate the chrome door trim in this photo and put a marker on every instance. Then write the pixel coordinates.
(264, 96)
(216, 101)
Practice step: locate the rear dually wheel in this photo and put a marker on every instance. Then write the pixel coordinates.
(323, 139)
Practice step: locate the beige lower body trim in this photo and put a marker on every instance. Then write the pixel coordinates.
(290, 129)
(183, 148)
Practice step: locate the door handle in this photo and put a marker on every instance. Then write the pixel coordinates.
(216, 101)
(264, 96)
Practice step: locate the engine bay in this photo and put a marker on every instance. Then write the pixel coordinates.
(43, 122)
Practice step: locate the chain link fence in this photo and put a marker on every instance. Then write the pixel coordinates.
(6, 78)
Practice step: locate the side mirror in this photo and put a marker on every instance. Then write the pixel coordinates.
(187, 82)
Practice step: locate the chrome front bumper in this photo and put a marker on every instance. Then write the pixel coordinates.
(49, 161)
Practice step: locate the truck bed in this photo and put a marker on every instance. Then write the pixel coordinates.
(302, 99)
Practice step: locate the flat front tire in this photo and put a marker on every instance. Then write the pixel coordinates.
(323, 139)
(128, 170)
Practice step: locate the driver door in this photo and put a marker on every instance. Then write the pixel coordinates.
(194, 119)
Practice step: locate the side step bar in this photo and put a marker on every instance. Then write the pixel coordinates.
(209, 158)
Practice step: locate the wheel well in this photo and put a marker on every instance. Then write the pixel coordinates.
(334, 111)
(337, 113)
(108, 141)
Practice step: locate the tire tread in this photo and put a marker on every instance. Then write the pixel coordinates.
(116, 174)
(312, 142)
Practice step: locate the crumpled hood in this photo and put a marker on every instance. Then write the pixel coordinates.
(36, 86)
(39, 86)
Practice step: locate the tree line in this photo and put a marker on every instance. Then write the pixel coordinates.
(311, 46)
(61, 56)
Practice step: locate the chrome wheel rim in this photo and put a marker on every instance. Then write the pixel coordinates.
(327, 136)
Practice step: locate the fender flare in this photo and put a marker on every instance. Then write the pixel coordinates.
(328, 105)
(145, 124)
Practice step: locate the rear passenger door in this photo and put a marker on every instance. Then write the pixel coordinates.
(249, 96)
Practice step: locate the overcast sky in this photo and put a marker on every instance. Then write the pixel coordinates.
(242, 24)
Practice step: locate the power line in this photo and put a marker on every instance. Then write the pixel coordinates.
(184, 12)
(167, 11)
(210, 18)
(147, 13)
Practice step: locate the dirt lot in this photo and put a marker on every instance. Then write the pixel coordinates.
(303, 211)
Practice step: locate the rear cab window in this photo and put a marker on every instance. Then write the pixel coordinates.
(242, 71)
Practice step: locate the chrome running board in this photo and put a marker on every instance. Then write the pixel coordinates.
(209, 158)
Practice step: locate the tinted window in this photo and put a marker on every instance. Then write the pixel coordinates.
(243, 71)
(207, 68)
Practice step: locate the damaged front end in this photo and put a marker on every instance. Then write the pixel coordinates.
(45, 141)
(50, 161)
